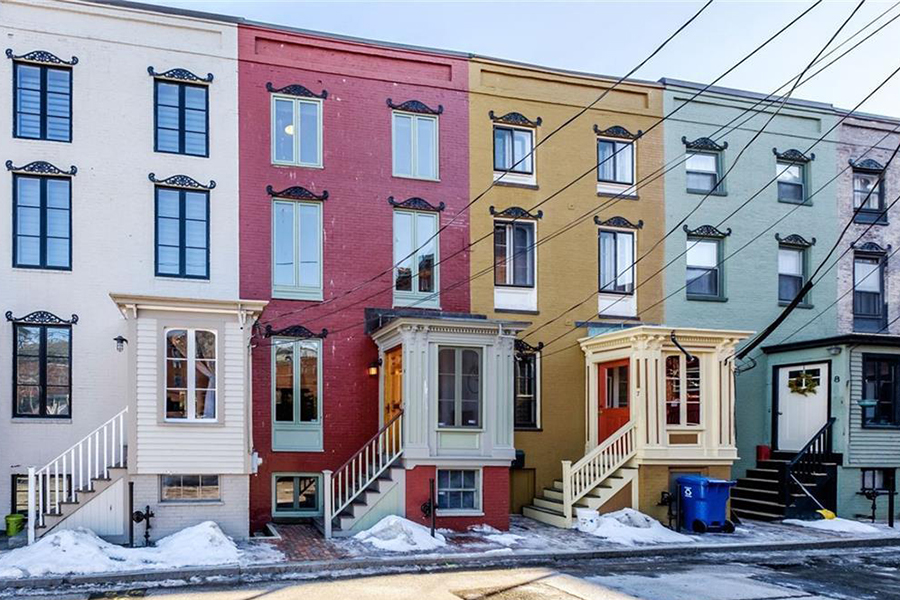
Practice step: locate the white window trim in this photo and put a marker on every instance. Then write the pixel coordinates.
(458, 400)
(537, 397)
(415, 297)
(190, 400)
(288, 514)
(414, 145)
(616, 304)
(296, 106)
(203, 501)
(682, 401)
(512, 176)
(623, 189)
(479, 497)
(517, 297)
(299, 292)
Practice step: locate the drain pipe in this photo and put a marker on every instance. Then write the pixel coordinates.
(687, 354)
(130, 512)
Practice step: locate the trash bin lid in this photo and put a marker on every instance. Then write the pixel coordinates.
(724, 482)
(693, 480)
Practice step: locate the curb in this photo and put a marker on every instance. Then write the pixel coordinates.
(410, 564)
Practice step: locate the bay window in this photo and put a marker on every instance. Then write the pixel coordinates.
(682, 390)
(459, 387)
(191, 384)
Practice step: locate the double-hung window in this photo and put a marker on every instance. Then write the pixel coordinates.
(791, 182)
(459, 491)
(297, 250)
(869, 311)
(616, 262)
(704, 275)
(296, 131)
(514, 253)
(615, 162)
(682, 390)
(191, 384)
(42, 370)
(42, 230)
(182, 118)
(702, 169)
(297, 390)
(868, 197)
(43, 102)
(415, 152)
(527, 390)
(881, 390)
(416, 256)
(513, 149)
(459, 387)
(791, 272)
(182, 233)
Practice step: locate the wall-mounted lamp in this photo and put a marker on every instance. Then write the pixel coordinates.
(834, 350)
(373, 368)
(120, 343)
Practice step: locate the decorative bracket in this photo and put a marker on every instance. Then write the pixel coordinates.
(704, 143)
(41, 167)
(515, 118)
(41, 56)
(295, 89)
(871, 248)
(295, 331)
(41, 317)
(708, 231)
(867, 164)
(415, 106)
(296, 192)
(524, 348)
(793, 155)
(180, 75)
(619, 222)
(416, 203)
(617, 131)
(181, 181)
(795, 239)
(516, 212)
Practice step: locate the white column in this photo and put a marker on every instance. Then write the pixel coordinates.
(32, 514)
(329, 502)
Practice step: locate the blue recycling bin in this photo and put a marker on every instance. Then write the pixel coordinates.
(704, 503)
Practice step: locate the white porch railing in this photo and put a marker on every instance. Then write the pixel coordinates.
(595, 466)
(350, 479)
(73, 471)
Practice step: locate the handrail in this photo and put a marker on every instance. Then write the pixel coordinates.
(811, 456)
(595, 466)
(88, 459)
(352, 478)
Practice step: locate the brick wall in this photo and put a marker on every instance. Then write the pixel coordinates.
(494, 498)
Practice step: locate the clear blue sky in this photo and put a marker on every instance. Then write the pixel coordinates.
(612, 37)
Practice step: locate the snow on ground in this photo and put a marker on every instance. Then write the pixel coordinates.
(629, 527)
(837, 525)
(81, 551)
(396, 534)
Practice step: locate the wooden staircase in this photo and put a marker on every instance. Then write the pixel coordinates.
(548, 507)
(343, 523)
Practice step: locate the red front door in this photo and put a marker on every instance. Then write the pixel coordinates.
(612, 397)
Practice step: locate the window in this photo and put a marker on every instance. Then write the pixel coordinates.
(514, 254)
(617, 387)
(42, 365)
(182, 233)
(42, 222)
(682, 390)
(868, 197)
(297, 495)
(190, 375)
(43, 102)
(415, 146)
(458, 490)
(182, 118)
(297, 250)
(513, 150)
(880, 403)
(704, 277)
(19, 500)
(296, 131)
(791, 182)
(869, 311)
(527, 400)
(297, 394)
(459, 387)
(791, 272)
(876, 480)
(615, 162)
(415, 253)
(616, 262)
(702, 170)
(189, 488)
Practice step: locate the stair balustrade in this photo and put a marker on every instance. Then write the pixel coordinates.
(808, 464)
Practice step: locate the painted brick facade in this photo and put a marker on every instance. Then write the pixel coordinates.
(357, 237)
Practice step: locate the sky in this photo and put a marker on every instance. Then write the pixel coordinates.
(611, 38)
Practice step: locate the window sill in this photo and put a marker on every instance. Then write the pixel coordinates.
(297, 295)
(460, 429)
(192, 503)
(195, 422)
(45, 269)
(884, 427)
(615, 195)
(685, 428)
(801, 305)
(705, 192)
(42, 420)
(516, 311)
(182, 279)
(435, 180)
(794, 202)
(181, 153)
(707, 298)
(513, 184)
(534, 429)
(299, 450)
(39, 139)
(459, 513)
(296, 166)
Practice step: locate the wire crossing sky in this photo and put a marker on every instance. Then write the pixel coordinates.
(606, 37)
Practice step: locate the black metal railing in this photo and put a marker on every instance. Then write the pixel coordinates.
(808, 463)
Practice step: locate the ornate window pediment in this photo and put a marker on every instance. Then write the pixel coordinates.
(415, 106)
(296, 192)
(41, 317)
(708, 231)
(41, 56)
(867, 164)
(416, 203)
(795, 239)
(181, 181)
(524, 348)
(704, 143)
(516, 212)
(793, 155)
(179, 74)
(871, 248)
(617, 221)
(617, 131)
(295, 89)
(40, 167)
(515, 118)
(295, 331)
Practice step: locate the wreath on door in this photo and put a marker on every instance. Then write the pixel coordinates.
(803, 384)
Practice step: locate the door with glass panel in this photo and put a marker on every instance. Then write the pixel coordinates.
(393, 384)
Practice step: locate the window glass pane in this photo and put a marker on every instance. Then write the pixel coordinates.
(195, 205)
(425, 228)
(624, 162)
(673, 390)
(702, 162)
(167, 203)
(195, 121)
(58, 193)
(176, 343)
(403, 246)
(28, 251)
(205, 344)
(284, 243)
(309, 381)
(502, 149)
(523, 254)
(195, 234)
(702, 282)
(426, 138)
(867, 275)
(402, 145)
(28, 222)
(446, 387)
(195, 143)
(209, 487)
(57, 129)
(790, 261)
(284, 130)
(500, 270)
(522, 145)
(284, 382)
(205, 407)
(309, 245)
(167, 260)
(701, 181)
(168, 117)
(28, 76)
(788, 287)
(284, 494)
(702, 253)
(606, 169)
(307, 495)
(58, 106)
(624, 260)
(57, 252)
(167, 93)
(792, 192)
(195, 97)
(28, 191)
(692, 391)
(195, 262)
(28, 341)
(58, 223)
(309, 133)
(607, 260)
(789, 173)
(168, 232)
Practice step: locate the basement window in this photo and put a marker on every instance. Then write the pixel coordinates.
(458, 491)
(189, 488)
(297, 495)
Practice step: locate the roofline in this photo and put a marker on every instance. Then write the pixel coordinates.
(746, 94)
(561, 71)
(873, 339)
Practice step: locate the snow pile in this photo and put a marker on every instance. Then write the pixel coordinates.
(483, 528)
(80, 551)
(396, 534)
(630, 527)
(837, 525)
(505, 539)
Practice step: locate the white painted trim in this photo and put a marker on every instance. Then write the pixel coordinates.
(512, 176)
(414, 145)
(413, 297)
(191, 359)
(295, 103)
(479, 497)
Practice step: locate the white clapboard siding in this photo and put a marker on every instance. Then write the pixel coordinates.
(867, 446)
(104, 515)
(214, 448)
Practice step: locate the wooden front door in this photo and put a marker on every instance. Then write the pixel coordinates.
(802, 403)
(393, 383)
(612, 397)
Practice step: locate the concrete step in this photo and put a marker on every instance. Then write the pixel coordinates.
(545, 516)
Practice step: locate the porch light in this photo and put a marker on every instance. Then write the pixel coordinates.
(373, 368)
(120, 343)
(834, 350)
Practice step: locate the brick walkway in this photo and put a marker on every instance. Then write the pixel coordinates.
(304, 542)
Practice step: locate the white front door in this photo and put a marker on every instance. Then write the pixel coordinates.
(802, 403)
